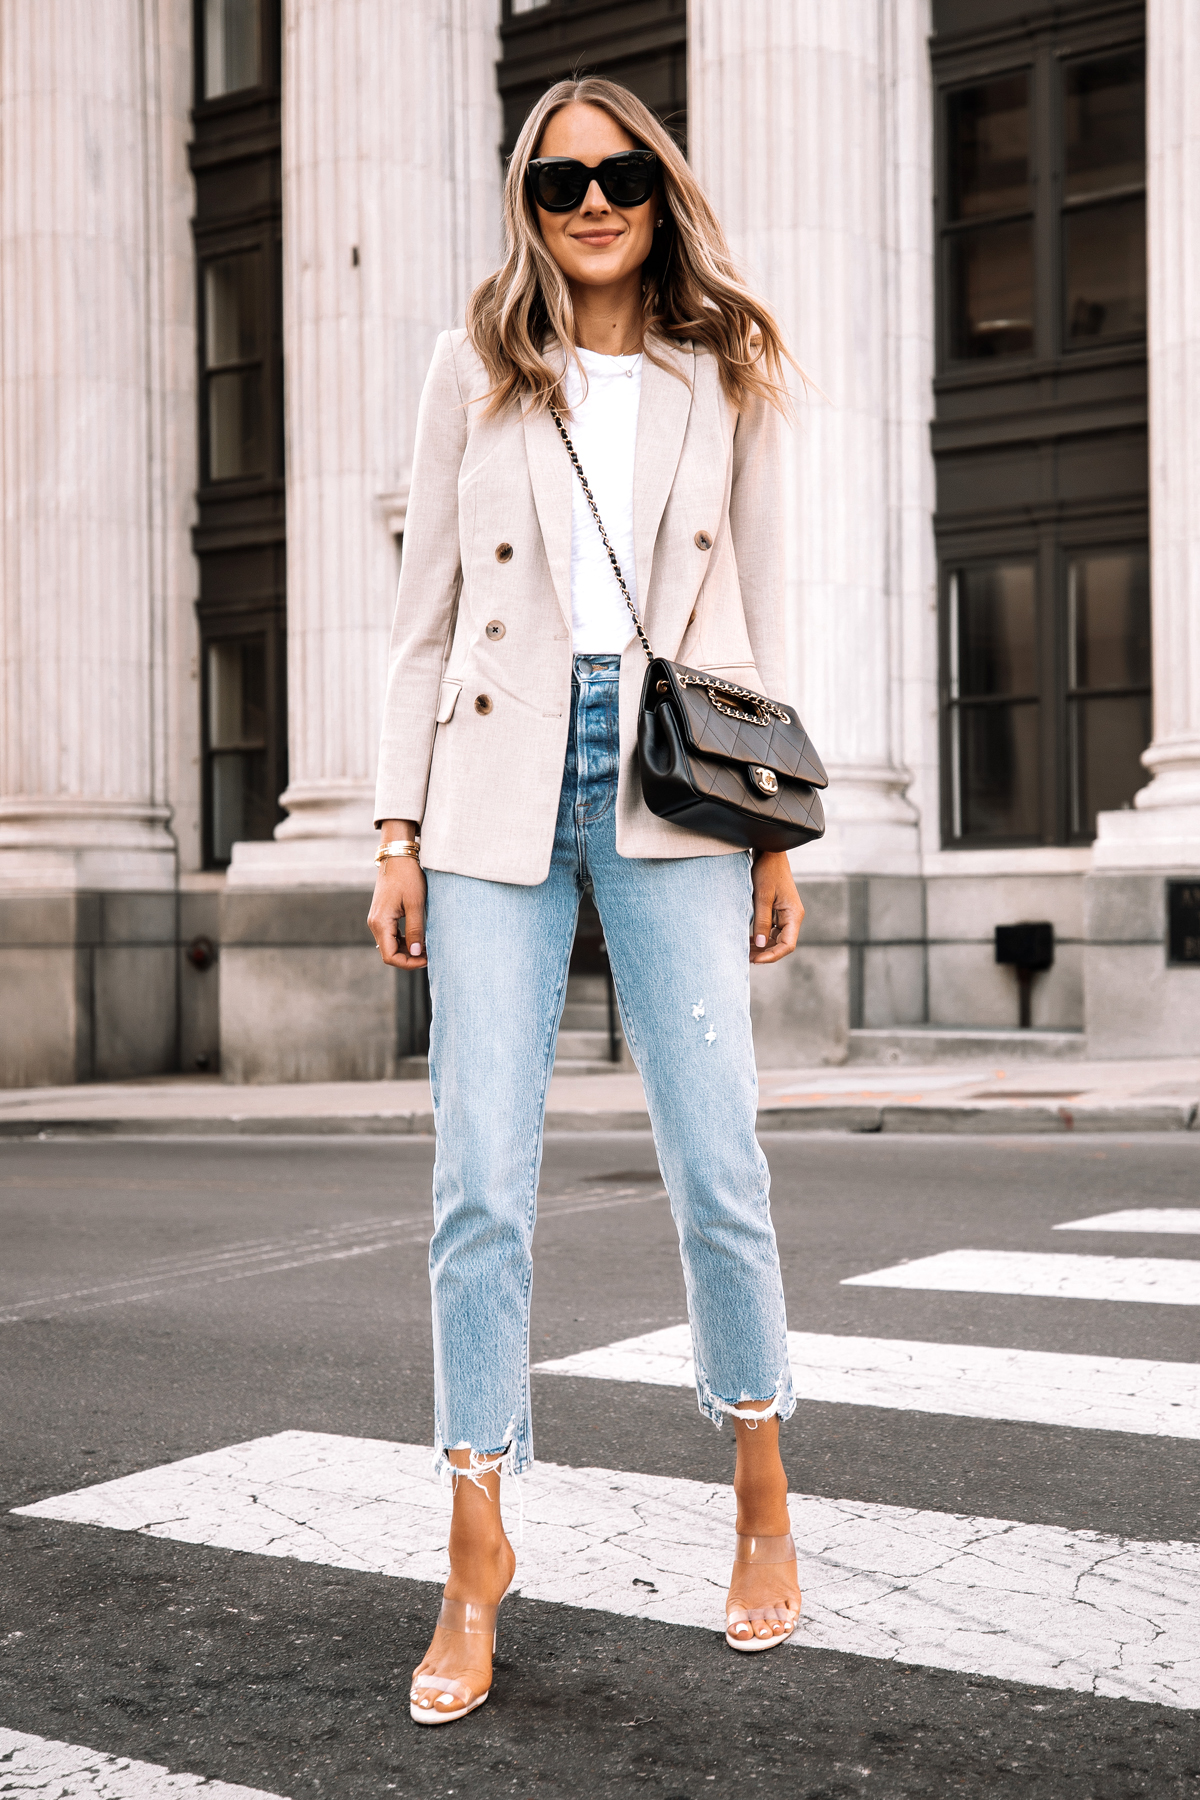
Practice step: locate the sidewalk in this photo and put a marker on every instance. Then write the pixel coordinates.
(1025, 1097)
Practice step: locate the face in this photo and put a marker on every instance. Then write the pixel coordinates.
(597, 245)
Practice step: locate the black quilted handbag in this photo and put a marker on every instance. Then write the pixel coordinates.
(714, 757)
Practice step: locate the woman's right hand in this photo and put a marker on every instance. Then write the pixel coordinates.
(397, 916)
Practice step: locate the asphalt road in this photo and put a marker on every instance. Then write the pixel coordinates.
(291, 1676)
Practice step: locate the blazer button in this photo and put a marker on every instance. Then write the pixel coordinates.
(494, 629)
(504, 552)
(483, 703)
(701, 540)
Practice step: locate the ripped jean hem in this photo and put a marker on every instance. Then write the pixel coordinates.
(782, 1404)
(514, 1459)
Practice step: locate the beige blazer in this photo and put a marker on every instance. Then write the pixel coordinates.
(479, 672)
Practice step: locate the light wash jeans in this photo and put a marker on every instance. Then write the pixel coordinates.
(678, 934)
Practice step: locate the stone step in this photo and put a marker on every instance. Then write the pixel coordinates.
(585, 1015)
(582, 1046)
(917, 1044)
(587, 990)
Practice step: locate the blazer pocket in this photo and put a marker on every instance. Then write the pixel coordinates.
(447, 701)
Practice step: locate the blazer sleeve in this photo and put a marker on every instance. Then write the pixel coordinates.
(756, 515)
(427, 598)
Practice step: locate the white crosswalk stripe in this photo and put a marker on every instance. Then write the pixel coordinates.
(52, 1770)
(1050, 1274)
(1183, 1219)
(1031, 1603)
(968, 1381)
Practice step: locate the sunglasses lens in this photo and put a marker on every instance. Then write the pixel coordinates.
(559, 186)
(630, 183)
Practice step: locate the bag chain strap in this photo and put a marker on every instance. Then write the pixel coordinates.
(765, 709)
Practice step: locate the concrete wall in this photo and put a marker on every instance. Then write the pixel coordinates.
(89, 985)
(1137, 1004)
(303, 994)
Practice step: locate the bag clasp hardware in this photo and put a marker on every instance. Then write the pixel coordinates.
(765, 780)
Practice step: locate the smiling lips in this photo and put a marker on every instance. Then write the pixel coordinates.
(600, 239)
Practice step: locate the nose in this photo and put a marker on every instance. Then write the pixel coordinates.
(593, 200)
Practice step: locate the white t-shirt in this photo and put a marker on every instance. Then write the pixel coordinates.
(603, 428)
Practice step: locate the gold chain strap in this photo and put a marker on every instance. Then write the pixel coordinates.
(765, 710)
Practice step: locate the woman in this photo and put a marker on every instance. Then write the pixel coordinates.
(509, 738)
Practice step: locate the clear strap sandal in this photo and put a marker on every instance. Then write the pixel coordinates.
(430, 1693)
(761, 1550)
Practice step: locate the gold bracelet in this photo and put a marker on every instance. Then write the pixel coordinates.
(399, 847)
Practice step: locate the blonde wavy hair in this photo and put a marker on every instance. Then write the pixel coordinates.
(691, 288)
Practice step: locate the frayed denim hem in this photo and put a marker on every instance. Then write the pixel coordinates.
(782, 1404)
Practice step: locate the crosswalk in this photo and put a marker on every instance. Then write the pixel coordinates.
(1155, 1280)
(966, 1381)
(1033, 1603)
(54, 1770)
(1003, 1598)
(1184, 1220)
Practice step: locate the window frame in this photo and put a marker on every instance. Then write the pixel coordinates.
(1002, 422)
(239, 537)
(269, 66)
(1046, 63)
(1050, 553)
(262, 622)
(256, 244)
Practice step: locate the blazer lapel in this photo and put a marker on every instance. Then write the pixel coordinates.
(551, 475)
(663, 412)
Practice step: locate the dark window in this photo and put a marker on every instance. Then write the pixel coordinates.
(232, 31)
(234, 302)
(994, 709)
(1104, 202)
(241, 806)
(1040, 433)
(989, 239)
(1108, 681)
(239, 537)
(640, 43)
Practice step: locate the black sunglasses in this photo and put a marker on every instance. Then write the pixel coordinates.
(558, 183)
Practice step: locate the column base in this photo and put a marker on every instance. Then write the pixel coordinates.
(52, 846)
(304, 862)
(1149, 837)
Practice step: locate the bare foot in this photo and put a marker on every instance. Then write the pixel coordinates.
(482, 1565)
(761, 1488)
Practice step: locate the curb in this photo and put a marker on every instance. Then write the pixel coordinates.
(971, 1119)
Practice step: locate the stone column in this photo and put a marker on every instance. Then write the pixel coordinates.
(391, 179)
(92, 533)
(1164, 827)
(810, 131)
(97, 435)
(1135, 1000)
(391, 208)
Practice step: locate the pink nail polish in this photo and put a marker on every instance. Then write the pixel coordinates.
(760, 942)
(414, 949)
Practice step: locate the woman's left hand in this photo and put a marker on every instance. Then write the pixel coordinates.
(778, 908)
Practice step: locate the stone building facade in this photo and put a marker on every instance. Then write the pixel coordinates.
(230, 231)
